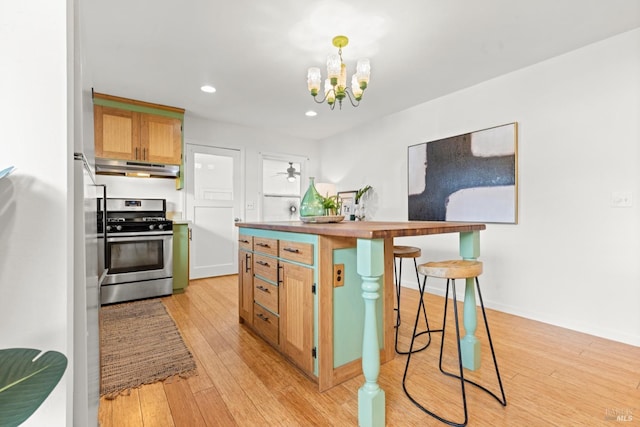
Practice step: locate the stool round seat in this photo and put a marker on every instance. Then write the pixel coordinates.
(454, 269)
(406, 252)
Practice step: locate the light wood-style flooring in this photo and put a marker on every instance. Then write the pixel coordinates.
(552, 376)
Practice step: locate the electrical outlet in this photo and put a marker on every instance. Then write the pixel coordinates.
(622, 199)
(338, 275)
(250, 205)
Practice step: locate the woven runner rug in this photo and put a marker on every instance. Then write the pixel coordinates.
(140, 344)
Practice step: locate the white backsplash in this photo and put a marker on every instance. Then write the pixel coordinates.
(145, 188)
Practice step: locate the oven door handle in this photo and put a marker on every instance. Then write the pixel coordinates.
(137, 238)
(140, 235)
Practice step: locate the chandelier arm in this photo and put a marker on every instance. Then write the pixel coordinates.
(324, 98)
(348, 92)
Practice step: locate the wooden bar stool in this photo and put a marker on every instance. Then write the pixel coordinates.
(399, 253)
(451, 270)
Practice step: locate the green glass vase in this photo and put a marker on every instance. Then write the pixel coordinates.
(311, 204)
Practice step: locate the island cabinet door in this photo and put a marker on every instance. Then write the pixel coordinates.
(296, 314)
(245, 286)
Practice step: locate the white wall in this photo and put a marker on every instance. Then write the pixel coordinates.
(573, 260)
(143, 188)
(36, 279)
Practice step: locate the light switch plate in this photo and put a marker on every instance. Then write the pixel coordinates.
(622, 199)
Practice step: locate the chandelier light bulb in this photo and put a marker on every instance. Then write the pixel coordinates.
(355, 88)
(334, 65)
(329, 93)
(363, 71)
(313, 80)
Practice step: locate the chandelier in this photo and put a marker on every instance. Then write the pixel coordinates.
(335, 86)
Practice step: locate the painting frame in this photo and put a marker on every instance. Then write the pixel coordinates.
(348, 199)
(470, 177)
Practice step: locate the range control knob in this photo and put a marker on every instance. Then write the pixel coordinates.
(108, 228)
(151, 226)
(118, 227)
(160, 226)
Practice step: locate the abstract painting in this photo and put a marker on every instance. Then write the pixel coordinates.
(470, 177)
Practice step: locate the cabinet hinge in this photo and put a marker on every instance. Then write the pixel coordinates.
(313, 288)
(314, 352)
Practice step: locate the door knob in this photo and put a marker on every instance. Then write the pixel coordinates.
(237, 219)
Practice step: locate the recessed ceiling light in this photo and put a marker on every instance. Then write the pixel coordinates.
(208, 89)
(310, 113)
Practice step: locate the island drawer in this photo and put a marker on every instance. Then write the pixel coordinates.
(294, 251)
(245, 242)
(266, 323)
(265, 294)
(266, 246)
(265, 267)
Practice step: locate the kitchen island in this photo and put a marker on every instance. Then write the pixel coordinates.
(311, 290)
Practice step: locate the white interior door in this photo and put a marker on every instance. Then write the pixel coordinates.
(213, 205)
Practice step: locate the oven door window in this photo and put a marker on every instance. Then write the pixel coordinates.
(135, 255)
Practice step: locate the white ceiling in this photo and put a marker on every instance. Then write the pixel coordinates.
(256, 52)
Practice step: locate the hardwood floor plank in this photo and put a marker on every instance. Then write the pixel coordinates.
(155, 406)
(552, 376)
(237, 402)
(125, 410)
(213, 409)
(186, 412)
(201, 381)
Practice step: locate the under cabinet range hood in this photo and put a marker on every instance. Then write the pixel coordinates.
(133, 168)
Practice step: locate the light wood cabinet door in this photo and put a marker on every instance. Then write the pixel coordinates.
(296, 314)
(245, 286)
(117, 133)
(128, 135)
(160, 139)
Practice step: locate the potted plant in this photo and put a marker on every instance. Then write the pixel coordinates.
(361, 192)
(359, 207)
(331, 204)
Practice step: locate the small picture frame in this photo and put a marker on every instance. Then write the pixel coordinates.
(348, 204)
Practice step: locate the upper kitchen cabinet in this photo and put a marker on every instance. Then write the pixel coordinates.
(127, 129)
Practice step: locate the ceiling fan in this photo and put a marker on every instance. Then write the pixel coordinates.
(291, 173)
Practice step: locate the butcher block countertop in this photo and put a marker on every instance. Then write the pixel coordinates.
(368, 229)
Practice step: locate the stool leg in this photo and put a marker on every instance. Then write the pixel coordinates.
(502, 401)
(397, 270)
(451, 284)
(404, 387)
(424, 307)
(421, 308)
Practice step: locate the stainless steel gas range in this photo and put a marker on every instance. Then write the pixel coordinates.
(137, 249)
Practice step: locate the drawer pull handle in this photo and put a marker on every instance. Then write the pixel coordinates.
(262, 263)
(263, 245)
(243, 241)
(293, 250)
(263, 289)
(247, 262)
(263, 317)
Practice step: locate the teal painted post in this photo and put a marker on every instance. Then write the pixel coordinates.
(371, 399)
(469, 344)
